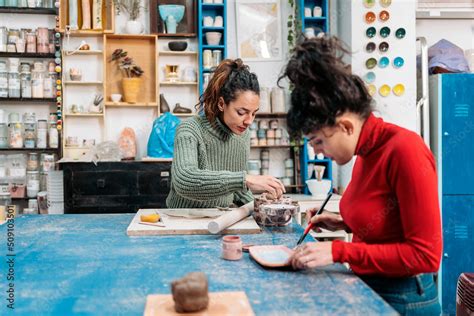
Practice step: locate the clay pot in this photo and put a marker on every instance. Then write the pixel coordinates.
(131, 89)
(231, 248)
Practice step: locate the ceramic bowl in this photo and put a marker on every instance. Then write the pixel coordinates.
(213, 38)
(319, 189)
(177, 46)
(276, 212)
(115, 97)
(75, 77)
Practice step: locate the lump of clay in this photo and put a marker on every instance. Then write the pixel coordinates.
(190, 293)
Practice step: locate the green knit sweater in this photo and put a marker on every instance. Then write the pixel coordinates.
(209, 166)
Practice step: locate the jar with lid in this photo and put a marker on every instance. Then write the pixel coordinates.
(37, 84)
(53, 136)
(31, 42)
(3, 38)
(5, 200)
(216, 57)
(3, 135)
(14, 85)
(3, 84)
(32, 183)
(33, 162)
(29, 137)
(42, 134)
(13, 35)
(15, 135)
(25, 83)
(49, 85)
(47, 162)
(42, 40)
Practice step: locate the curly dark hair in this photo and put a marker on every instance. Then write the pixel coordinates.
(323, 86)
(230, 78)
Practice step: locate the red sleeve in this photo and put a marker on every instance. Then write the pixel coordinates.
(412, 176)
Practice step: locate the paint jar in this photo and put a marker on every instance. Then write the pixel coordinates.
(15, 134)
(14, 90)
(262, 142)
(3, 38)
(278, 133)
(32, 205)
(5, 200)
(41, 136)
(261, 133)
(32, 183)
(216, 57)
(271, 141)
(33, 162)
(254, 142)
(253, 133)
(25, 84)
(263, 124)
(48, 85)
(3, 135)
(231, 248)
(274, 124)
(47, 162)
(53, 136)
(270, 133)
(278, 100)
(31, 42)
(3, 84)
(42, 40)
(207, 58)
(37, 83)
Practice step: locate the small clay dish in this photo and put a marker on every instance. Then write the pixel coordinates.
(383, 47)
(385, 3)
(398, 62)
(371, 63)
(384, 90)
(370, 17)
(385, 32)
(398, 89)
(369, 77)
(177, 46)
(271, 256)
(369, 3)
(370, 47)
(384, 62)
(384, 16)
(400, 33)
(370, 32)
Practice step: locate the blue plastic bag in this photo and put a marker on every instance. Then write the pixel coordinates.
(161, 140)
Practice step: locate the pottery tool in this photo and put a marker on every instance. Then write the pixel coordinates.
(311, 225)
(230, 218)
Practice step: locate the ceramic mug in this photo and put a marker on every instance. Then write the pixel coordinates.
(207, 58)
(218, 21)
(231, 248)
(317, 12)
(208, 21)
(253, 165)
(307, 12)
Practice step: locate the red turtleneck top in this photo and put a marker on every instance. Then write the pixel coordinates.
(391, 205)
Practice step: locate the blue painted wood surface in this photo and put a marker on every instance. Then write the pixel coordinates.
(86, 264)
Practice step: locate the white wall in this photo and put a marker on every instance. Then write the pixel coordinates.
(459, 32)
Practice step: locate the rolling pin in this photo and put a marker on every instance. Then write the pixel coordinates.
(230, 218)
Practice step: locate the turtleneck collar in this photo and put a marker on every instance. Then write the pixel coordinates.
(370, 135)
(217, 128)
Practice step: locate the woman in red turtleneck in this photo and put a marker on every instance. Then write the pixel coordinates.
(390, 205)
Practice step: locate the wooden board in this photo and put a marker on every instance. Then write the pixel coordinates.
(220, 304)
(186, 226)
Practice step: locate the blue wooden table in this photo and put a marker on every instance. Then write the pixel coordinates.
(86, 264)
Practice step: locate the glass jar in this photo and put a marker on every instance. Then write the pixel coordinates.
(22, 3)
(53, 136)
(14, 85)
(37, 84)
(29, 137)
(3, 38)
(49, 85)
(33, 162)
(5, 200)
(3, 84)
(13, 34)
(15, 135)
(216, 57)
(43, 181)
(42, 40)
(25, 83)
(3, 166)
(42, 134)
(3, 135)
(32, 183)
(47, 162)
(31, 42)
(17, 167)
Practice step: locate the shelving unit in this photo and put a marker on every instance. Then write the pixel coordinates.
(27, 55)
(319, 24)
(213, 10)
(16, 10)
(186, 28)
(108, 19)
(326, 162)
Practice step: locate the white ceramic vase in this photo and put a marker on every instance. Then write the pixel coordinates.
(134, 27)
(73, 12)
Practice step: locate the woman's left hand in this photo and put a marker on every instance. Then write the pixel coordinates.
(312, 254)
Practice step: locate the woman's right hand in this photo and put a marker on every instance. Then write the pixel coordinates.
(327, 220)
(269, 184)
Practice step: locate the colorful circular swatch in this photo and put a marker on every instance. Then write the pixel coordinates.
(370, 47)
(385, 3)
(398, 89)
(370, 32)
(385, 31)
(371, 63)
(371, 89)
(370, 17)
(384, 62)
(400, 33)
(398, 62)
(384, 16)
(369, 3)
(369, 77)
(383, 47)
(384, 90)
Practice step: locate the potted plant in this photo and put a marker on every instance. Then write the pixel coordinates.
(131, 82)
(133, 9)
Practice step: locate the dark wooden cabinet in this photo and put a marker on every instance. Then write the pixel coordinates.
(115, 187)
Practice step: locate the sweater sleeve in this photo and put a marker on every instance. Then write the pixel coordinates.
(243, 197)
(200, 184)
(412, 177)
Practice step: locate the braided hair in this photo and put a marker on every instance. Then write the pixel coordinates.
(323, 86)
(230, 78)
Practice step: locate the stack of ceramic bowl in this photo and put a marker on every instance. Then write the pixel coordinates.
(265, 162)
(287, 180)
(55, 192)
(262, 132)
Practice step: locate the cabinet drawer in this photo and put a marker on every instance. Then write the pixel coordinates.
(118, 183)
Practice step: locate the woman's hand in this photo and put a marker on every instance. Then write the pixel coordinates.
(312, 254)
(327, 220)
(265, 183)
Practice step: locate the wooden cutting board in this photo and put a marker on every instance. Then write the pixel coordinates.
(220, 304)
(186, 226)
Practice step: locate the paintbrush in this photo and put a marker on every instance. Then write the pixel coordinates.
(311, 225)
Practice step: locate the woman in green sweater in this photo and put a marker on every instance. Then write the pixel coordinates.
(211, 150)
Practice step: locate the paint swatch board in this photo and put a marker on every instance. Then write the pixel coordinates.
(220, 303)
(172, 225)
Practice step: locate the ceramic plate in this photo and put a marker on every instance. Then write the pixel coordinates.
(271, 256)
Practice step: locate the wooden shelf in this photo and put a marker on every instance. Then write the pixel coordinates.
(46, 11)
(108, 19)
(131, 105)
(144, 51)
(82, 52)
(176, 35)
(178, 83)
(83, 83)
(29, 149)
(176, 53)
(85, 114)
(29, 100)
(271, 115)
(27, 55)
